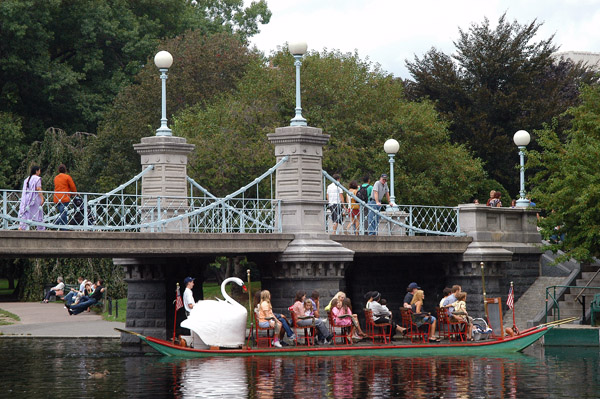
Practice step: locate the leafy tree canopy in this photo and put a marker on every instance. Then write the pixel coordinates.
(568, 182)
(204, 66)
(500, 80)
(355, 102)
(12, 149)
(64, 61)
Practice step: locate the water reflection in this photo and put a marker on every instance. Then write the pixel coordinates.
(33, 368)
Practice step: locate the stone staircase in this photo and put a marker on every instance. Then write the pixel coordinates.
(568, 305)
(530, 306)
(531, 302)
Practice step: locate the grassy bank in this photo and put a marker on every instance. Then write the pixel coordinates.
(7, 318)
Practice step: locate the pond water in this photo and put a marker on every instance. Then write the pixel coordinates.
(49, 368)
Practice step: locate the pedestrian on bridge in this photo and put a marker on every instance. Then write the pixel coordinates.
(335, 198)
(32, 199)
(379, 192)
(63, 186)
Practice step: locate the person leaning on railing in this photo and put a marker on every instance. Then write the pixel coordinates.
(63, 185)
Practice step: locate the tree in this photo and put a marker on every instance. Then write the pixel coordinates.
(567, 184)
(64, 61)
(355, 102)
(499, 81)
(205, 66)
(12, 148)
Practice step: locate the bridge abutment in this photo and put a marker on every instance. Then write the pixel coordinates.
(312, 261)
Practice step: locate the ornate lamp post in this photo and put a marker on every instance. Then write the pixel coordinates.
(163, 61)
(521, 139)
(298, 49)
(391, 147)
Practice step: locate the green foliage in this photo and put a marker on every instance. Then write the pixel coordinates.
(7, 318)
(64, 61)
(499, 81)
(12, 148)
(122, 304)
(36, 273)
(350, 99)
(204, 66)
(567, 184)
(55, 148)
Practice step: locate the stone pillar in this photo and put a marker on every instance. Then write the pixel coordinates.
(311, 261)
(146, 297)
(166, 185)
(507, 241)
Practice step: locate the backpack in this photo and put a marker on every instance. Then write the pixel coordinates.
(362, 193)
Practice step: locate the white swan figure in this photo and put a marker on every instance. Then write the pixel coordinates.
(219, 323)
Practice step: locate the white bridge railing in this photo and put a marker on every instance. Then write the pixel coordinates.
(402, 220)
(130, 212)
(242, 211)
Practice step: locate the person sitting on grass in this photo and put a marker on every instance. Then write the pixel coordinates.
(56, 290)
(86, 302)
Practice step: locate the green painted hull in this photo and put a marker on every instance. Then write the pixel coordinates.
(490, 347)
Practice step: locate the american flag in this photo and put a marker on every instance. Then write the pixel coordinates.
(178, 301)
(510, 301)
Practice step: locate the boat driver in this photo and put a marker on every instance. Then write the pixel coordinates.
(188, 295)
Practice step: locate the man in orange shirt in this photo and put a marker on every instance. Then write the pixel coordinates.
(63, 184)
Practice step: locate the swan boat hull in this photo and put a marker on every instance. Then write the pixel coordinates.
(506, 345)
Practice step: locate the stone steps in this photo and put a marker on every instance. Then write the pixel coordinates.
(532, 301)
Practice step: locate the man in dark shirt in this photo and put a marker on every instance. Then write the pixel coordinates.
(410, 292)
(86, 302)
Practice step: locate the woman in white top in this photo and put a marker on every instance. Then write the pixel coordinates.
(57, 290)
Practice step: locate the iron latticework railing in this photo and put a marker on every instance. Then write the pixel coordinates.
(400, 220)
(118, 211)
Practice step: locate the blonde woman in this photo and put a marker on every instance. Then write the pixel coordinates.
(421, 317)
(266, 318)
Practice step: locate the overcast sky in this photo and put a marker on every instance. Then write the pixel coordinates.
(391, 31)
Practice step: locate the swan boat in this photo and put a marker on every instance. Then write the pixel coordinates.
(221, 327)
(507, 345)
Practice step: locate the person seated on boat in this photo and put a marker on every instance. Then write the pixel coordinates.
(445, 294)
(56, 290)
(336, 296)
(314, 297)
(421, 317)
(410, 292)
(346, 305)
(451, 299)
(382, 315)
(286, 330)
(342, 315)
(460, 312)
(323, 334)
(266, 317)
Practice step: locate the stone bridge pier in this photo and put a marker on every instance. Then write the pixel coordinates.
(312, 261)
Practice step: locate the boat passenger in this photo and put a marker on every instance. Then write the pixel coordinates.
(382, 315)
(266, 318)
(445, 294)
(460, 312)
(422, 317)
(451, 299)
(410, 292)
(342, 314)
(323, 334)
(336, 296)
(314, 297)
(284, 321)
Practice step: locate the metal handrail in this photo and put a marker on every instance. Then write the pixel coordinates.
(588, 283)
(555, 304)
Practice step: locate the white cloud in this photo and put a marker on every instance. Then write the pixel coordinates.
(390, 31)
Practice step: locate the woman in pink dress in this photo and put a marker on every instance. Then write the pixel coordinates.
(32, 199)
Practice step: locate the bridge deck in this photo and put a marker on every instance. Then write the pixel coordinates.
(85, 244)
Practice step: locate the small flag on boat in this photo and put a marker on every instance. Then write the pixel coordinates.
(178, 301)
(510, 301)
